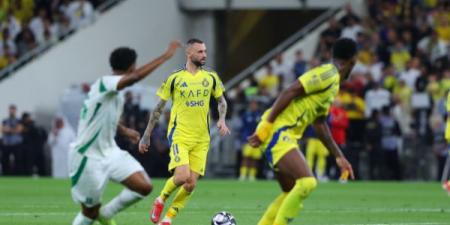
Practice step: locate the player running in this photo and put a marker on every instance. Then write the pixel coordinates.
(190, 90)
(305, 102)
(95, 157)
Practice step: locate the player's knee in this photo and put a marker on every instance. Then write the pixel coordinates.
(190, 185)
(91, 213)
(181, 179)
(306, 185)
(145, 189)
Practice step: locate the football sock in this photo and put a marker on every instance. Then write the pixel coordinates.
(252, 173)
(292, 204)
(119, 203)
(81, 219)
(169, 187)
(272, 210)
(178, 203)
(321, 165)
(243, 172)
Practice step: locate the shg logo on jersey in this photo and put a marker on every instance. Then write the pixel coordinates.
(184, 84)
(205, 83)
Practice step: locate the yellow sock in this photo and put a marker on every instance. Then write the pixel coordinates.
(292, 204)
(321, 165)
(169, 187)
(178, 203)
(252, 173)
(243, 172)
(272, 210)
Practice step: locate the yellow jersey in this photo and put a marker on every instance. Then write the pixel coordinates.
(190, 94)
(321, 85)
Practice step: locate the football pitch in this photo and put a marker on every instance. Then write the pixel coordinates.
(27, 201)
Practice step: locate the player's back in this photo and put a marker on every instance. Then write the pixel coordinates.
(99, 118)
(321, 85)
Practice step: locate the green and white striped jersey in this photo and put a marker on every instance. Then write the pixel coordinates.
(99, 118)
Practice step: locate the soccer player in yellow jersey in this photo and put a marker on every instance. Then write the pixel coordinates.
(190, 90)
(305, 102)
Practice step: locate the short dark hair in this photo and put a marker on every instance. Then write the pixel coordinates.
(122, 58)
(194, 41)
(344, 48)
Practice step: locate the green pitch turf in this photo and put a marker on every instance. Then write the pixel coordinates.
(26, 201)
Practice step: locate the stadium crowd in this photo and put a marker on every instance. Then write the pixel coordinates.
(27, 24)
(394, 103)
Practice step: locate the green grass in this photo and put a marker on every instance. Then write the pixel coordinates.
(26, 201)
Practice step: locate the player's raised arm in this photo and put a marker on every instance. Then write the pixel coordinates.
(321, 128)
(222, 108)
(144, 144)
(145, 70)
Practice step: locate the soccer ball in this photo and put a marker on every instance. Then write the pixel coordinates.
(223, 218)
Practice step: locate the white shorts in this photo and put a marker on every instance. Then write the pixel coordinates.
(89, 176)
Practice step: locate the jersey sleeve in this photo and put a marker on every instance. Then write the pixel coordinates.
(166, 88)
(109, 83)
(218, 87)
(318, 79)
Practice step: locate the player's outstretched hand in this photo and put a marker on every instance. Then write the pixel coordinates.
(173, 46)
(223, 129)
(254, 141)
(345, 166)
(144, 144)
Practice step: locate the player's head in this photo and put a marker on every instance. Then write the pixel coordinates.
(196, 52)
(344, 52)
(123, 60)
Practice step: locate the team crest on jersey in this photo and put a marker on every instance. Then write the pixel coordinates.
(205, 83)
(184, 84)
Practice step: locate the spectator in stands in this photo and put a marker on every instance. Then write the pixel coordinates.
(23, 10)
(339, 124)
(352, 29)
(399, 56)
(402, 96)
(390, 80)
(59, 141)
(37, 24)
(372, 139)
(332, 33)
(300, 64)
(131, 111)
(412, 72)
(12, 152)
(34, 139)
(270, 81)
(159, 155)
(12, 24)
(376, 98)
(80, 13)
(25, 40)
(390, 137)
(250, 156)
(8, 41)
(283, 69)
(432, 48)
